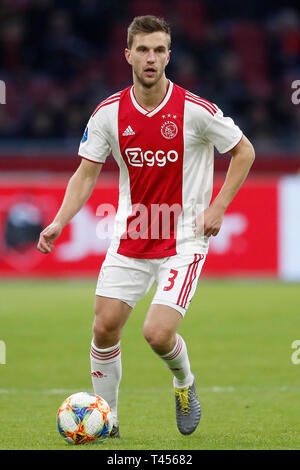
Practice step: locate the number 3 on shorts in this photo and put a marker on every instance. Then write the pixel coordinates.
(173, 275)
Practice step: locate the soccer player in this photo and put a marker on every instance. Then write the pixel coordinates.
(162, 137)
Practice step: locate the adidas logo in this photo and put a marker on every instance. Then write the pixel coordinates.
(98, 374)
(128, 131)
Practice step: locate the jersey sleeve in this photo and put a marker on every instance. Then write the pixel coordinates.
(94, 145)
(222, 132)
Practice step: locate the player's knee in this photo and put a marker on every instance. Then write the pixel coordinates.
(158, 338)
(105, 337)
(105, 331)
(110, 317)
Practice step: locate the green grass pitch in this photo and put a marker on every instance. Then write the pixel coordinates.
(239, 336)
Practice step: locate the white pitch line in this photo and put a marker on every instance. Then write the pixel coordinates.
(58, 391)
(215, 389)
(54, 391)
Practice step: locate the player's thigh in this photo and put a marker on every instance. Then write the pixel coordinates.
(110, 314)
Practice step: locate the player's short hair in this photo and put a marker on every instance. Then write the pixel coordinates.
(147, 24)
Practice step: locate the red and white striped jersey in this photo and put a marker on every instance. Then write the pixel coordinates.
(166, 159)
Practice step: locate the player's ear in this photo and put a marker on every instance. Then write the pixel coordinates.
(168, 58)
(128, 56)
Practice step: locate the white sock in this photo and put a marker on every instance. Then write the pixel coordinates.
(178, 362)
(106, 369)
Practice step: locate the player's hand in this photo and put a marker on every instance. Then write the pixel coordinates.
(209, 221)
(48, 236)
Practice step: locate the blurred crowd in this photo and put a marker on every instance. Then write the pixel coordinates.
(58, 59)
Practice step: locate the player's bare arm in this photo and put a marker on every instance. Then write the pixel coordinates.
(209, 222)
(78, 191)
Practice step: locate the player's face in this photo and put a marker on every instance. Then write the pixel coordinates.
(149, 56)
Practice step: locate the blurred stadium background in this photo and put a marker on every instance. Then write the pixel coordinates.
(59, 59)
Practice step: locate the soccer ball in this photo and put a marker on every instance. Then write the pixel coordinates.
(84, 417)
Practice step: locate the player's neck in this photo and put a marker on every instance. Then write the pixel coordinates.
(150, 98)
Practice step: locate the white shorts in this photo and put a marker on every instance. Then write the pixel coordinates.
(129, 279)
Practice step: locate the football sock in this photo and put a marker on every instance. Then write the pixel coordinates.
(178, 362)
(106, 369)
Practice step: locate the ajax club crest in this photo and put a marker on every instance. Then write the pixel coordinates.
(169, 129)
